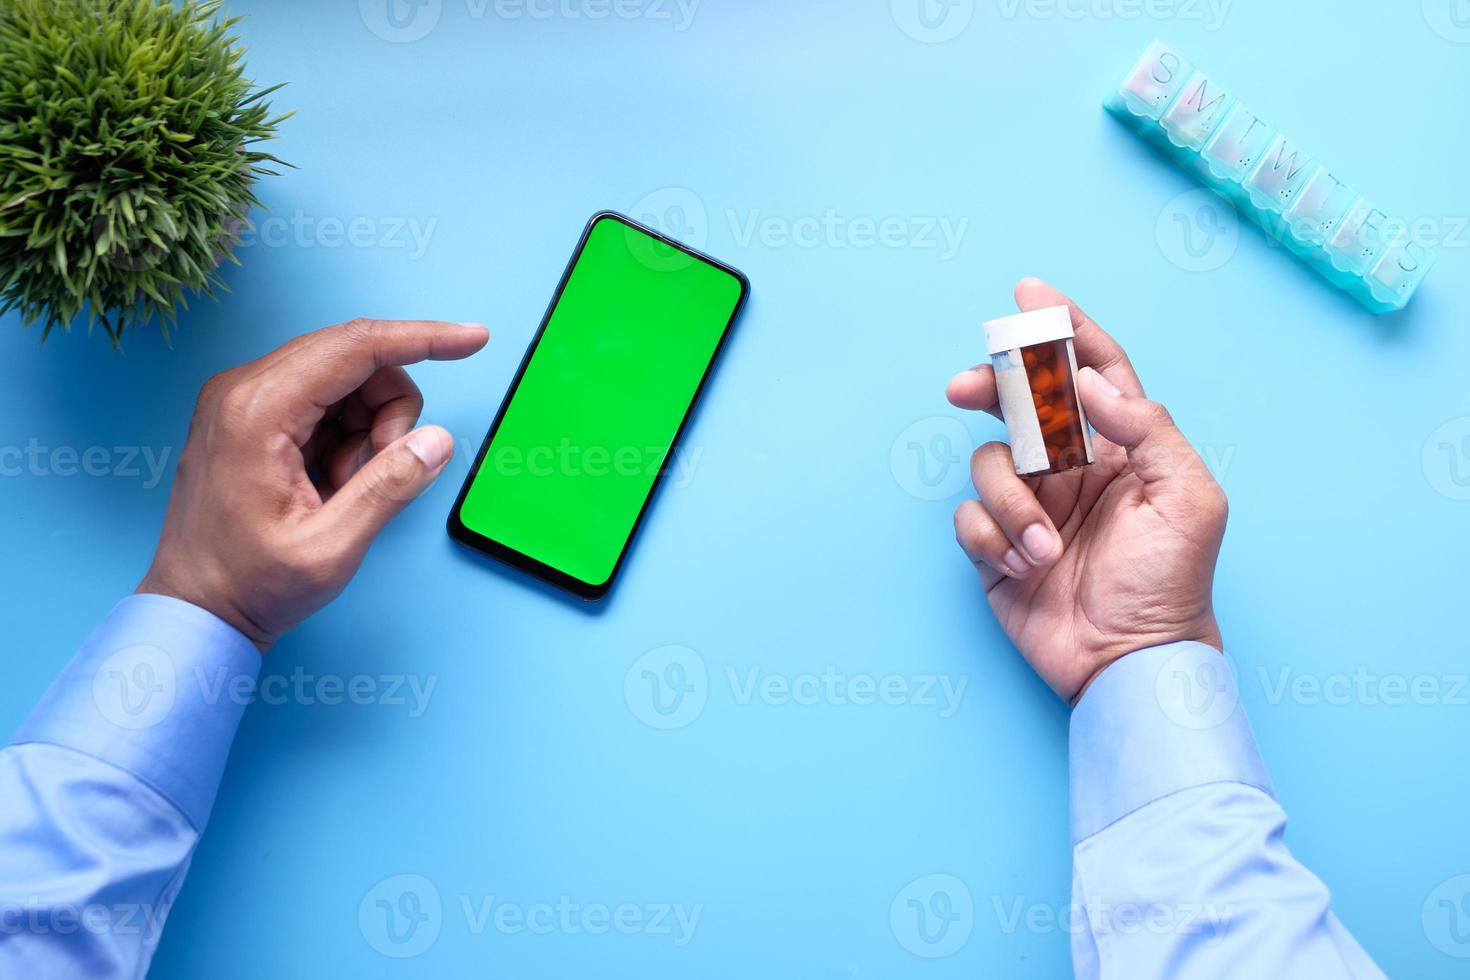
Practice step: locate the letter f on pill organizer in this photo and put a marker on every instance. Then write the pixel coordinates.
(1201, 126)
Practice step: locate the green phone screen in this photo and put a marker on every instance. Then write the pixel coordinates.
(591, 421)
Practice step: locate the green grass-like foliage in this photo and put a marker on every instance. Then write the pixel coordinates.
(126, 159)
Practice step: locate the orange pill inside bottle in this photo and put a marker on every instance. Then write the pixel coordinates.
(1036, 379)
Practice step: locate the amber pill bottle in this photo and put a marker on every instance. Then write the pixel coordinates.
(1036, 378)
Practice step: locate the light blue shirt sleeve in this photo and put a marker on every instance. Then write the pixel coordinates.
(108, 785)
(1178, 865)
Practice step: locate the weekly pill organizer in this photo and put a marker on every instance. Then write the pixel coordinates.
(1205, 129)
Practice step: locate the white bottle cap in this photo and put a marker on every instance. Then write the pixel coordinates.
(1024, 329)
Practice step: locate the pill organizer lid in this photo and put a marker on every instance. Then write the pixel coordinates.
(1025, 329)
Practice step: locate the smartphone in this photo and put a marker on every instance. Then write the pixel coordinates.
(594, 415)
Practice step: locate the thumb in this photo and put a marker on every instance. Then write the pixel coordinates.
(386, 483)
(1158, 452)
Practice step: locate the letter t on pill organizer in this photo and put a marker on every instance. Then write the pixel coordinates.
(1200, 125)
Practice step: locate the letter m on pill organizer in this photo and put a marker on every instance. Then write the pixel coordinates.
(1196, 122)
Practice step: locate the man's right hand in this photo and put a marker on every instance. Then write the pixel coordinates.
(1084, 567)
(294, 463)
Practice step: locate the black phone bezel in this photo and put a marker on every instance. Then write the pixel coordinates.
(519, 560)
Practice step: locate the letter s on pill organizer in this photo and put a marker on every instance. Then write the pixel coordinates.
(1201, 126)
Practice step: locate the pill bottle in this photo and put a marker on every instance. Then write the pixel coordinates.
(1036, 379)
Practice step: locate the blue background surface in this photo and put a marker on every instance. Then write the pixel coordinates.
(804, 540)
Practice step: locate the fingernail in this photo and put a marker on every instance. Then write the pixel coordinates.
(432, 445)
(1039, 543)
(477, 326)
(1015, 564)
(1106, 386)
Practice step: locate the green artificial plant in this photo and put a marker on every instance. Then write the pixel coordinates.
(127, 159)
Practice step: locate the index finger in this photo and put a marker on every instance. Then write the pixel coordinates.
(975, 390)
(329, 365)
(1094, 347)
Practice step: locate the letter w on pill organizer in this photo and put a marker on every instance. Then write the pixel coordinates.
(1201, 126)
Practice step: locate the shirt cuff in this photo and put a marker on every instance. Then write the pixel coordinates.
(157, 690)
(1156, 722)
